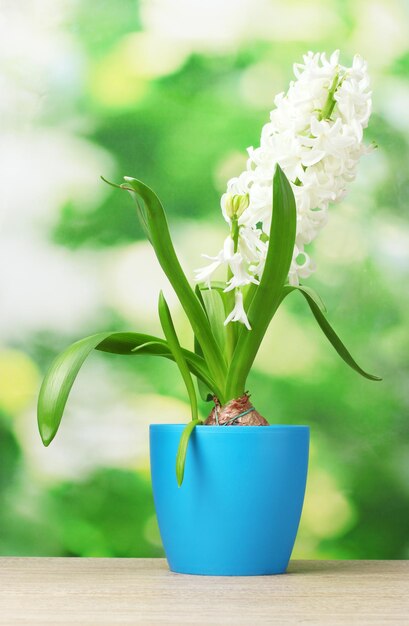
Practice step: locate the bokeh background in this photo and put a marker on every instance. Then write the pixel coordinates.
(173, 92)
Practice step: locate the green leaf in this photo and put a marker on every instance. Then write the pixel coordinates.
(231, 330)
(153, 218)
(268, 295)
(306, 291)
(182, 449)
(130, 343)
(214, 305)
(150, 344)
(63, 371)
(140, 208)
(204, 391)
(214, 284)
(227, 334)
(316, 308)
(174, 346)
(249, 293)
(58, 382)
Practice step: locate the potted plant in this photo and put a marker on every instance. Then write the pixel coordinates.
(238, 510)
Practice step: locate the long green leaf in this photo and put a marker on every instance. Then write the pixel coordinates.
(204, 391)
(153, 218)
(140, 208)
(182, 449)
(130, 343)
(268, 295)
(174, 346)
(58, 382)
(306, 291)
(328, 331)
(150, 344)
(216, 313)
(249, 294)
(227, 335)
(61, 375)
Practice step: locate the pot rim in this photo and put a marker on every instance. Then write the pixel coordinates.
(243, 429)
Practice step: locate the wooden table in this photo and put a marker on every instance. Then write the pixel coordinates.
(100, 592)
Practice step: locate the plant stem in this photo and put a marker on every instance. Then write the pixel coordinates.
(231, 329)
(235, 233)
(330, 102)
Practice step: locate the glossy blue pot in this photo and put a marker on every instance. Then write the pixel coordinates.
(238, 510)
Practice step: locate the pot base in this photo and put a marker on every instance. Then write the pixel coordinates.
(224, 573)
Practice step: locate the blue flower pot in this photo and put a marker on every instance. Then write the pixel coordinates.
(238, 510)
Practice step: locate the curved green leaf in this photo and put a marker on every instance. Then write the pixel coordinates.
(182, 449)
(63, 371)
(58, 382)
(174, 346)
(267, 296)
(131, 343)
(315, 304)
(150, 344)
(127, 343)
(153, 218)
(307, 292)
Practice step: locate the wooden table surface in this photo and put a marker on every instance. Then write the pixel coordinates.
(100, 592)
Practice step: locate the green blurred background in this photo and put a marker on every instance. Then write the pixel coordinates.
(173, 92)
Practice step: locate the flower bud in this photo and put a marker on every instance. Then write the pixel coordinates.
(235, 205)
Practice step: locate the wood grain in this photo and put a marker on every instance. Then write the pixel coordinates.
(102, 592)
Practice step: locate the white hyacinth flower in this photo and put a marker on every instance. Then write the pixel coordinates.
(238, 313)
(315, 133)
